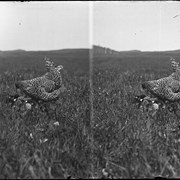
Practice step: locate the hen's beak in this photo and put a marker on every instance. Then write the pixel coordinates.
(60, 67)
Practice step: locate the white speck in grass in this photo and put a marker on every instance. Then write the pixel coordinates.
(56, 123)
(155, 106)
(28, 106)
(31, 135)
(44, 140)
(105, 173)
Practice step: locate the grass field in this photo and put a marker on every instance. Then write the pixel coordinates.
(118, 141)
(66, 154)
(127, 144)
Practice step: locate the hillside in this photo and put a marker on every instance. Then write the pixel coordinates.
(71, 59)
(101, 53)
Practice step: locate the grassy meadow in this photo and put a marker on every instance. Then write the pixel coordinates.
(113, 140)
(127, 144)
(66, 153)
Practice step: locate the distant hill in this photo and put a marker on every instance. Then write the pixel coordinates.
(73, 60)
(16, 52)
(99, 50)
(104, 51)
(20, 52)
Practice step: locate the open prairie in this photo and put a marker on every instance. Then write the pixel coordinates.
(60, 151)
(118, 141)
(127, 143)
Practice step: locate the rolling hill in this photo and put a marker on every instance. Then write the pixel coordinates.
(71, 59)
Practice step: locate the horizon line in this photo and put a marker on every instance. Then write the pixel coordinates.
(101, 46)
(88, 48)
(43, 49)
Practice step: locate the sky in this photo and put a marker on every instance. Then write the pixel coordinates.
(145, 26)
(44, 25)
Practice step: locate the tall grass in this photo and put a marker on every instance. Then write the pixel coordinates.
(120, 143)
(128, 143)
(66, 154)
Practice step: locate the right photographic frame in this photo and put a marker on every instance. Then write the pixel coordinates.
(136, 89)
